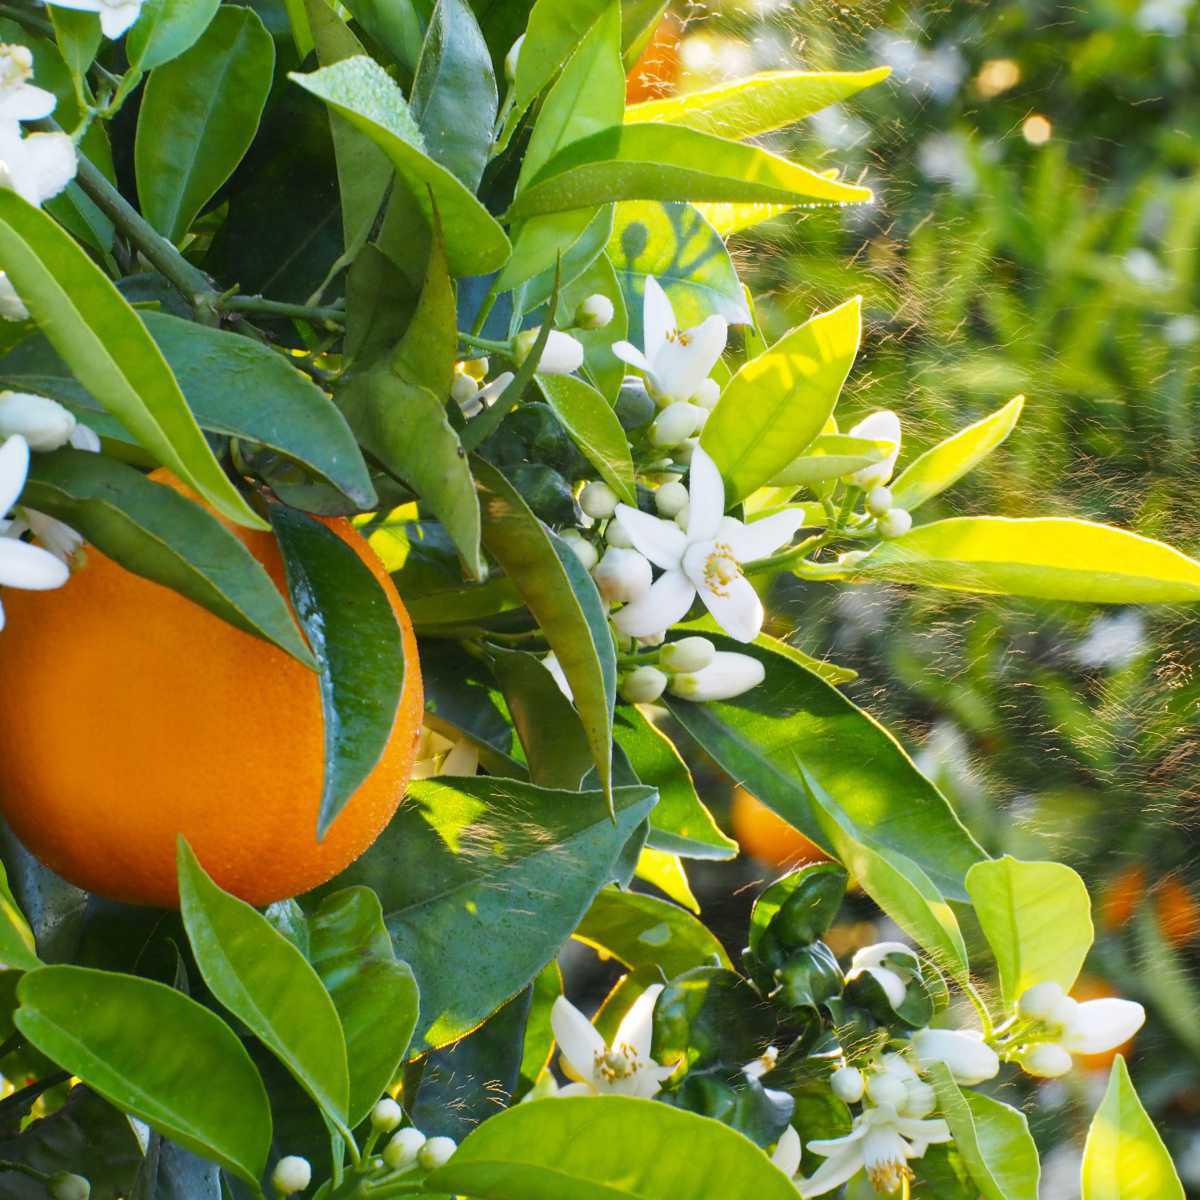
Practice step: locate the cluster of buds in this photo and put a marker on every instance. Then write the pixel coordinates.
(890, 521)
(1054, 1026)
(693, 669)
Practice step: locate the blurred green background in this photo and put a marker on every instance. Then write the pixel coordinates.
(1037, 172)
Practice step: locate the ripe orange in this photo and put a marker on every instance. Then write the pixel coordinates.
(1178, 912)
(129, 715)
(656, 72)
(768, 837)
(1121, 897)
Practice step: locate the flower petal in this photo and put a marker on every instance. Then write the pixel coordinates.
(929, 1132)
(666, 602)
(27, 103)
(114, 21)
(577, 1039)
(578, 1088)
(662, 542)
(30, 567)
(658, 319)
(705, 344)
(1100, 1025)
(706, 497)
(736, 607)
(14, 465)
(828, 1147)
(832, 1173)
(788, 1153)
(637, 1026)
(627, 352)
(49, 165)
(760, 538)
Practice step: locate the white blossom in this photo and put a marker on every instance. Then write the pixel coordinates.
(403, 1148)
(787, 1152)
(563, 353)
(882, 426)
(21, 100)
(964, 1052)
(436, 1152)
(687, 654)
(64, 1185)
(880, 962)
(116, 16)
(43, 423)
(292, 1174)
(1071, 1027)
(848, 1084)
(36, 167)
(12, 307)
(726, 676)
(643, 685)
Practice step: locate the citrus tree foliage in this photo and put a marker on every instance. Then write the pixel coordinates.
(421, 265)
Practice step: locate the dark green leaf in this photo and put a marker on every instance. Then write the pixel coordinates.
(165, 29)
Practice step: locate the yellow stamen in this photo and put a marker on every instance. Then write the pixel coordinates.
(721, 568)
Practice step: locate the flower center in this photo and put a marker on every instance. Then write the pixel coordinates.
(16, 66)
(887, 1177)
(675, 335)
(618, 1063)
(721, 569)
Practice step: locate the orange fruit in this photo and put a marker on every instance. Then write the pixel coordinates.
(1092, 987)
(129, 715)
(656, 72)
(1178, 912)
(1121, 896)
(768, 837)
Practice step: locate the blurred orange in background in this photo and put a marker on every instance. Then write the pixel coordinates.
(656, 73)
(768, 837)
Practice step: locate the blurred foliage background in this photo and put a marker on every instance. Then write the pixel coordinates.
(1037, 172)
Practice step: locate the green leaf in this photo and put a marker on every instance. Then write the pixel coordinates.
(266, 982)
(17, 947)
(395, 25)
(1050, 558)
(593, 425)
(675, 244)
(774, 407)
(794, 729)
(199, 114)
(642, 930)
(358, 645)
(107, 347)
(562, 597)
(949, 461)
(757, 104)
(603, 367)
(1124, 1158)
(539, 1033)
(608, 1148)
(152, 530)
(155, 1053)
(830, 456)
(663, 162)
(481, 882)
(454, 92)
(165, 29)
(566, 242)
(362, 92)
(78, 36)
(427, 352)
(1037, 918)
(993, 1139)
(375, 994)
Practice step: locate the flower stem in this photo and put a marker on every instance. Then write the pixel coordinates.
(328, 315)
(482, 343)
(7, 1164)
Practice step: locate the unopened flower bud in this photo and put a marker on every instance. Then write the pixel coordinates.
(386, 1115)
(848, 1084)
(436, 1152)
(883, 426)
(671, 498)
(615, 534)
(403, 1148)
(650, 640)
(968, 1057)
(65, 1186)
(11, 306)
(512, 58)
(643, 685)
(675, 424)
(707, 394)
(595, 312)
(598, 500)
(728, 675)
(623, 575)
(1047, 1060)
(688, 654)
(476, 368)
(879, 500)
(682, 454)
(42, 422)
(464, 391)
(584, 550)
(885, 1088)
(894, 523)
(683, 516)
(292, 1174)
(1039, 1002)
(562, 355)
(921, 1099)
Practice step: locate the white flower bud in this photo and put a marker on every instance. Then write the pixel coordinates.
(894, 523)
(964, 1052)
(683, 516)
(883, 426)
(885, 1088)
(921, 1099)
(464, 391)
(595, 312)
(1047, 1060)
(682, 454)
(11, 306)
(436, 1152)
(643, 685)
(848, 1084)
(403, 1148)
(65, 1186)
(512, 58)
(598, 500)
(42, 422)
(1064, 1011)
(1039, 1002)
(584, 550)
(728, 675)
(675, 424)
(879, 500)
(707, 394)
(1097, 1026)
(562, 355)
(292, 1174)
(622, 575)
(386, 1115)
(687, 654)
(650, 640)
(670, 498)
(615, 534)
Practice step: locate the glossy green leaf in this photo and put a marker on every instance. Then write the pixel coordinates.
(662, 162)
(375, 994)
(427, 352)
(561, 595)
(107, 347)
(1037, 918)
(395, 25)
(1051, 558)
(1124, 1158)
(362, 91)
(600, 364)
(830, 456)
(593, 425)
(454, 92)
(539, 1033)
(948, 461)
(481, 882)
(756, 104)
(666, 872)
(155, 1053)
(642, 930)
(358, 645)
(675, 244)
(730, 218)
(993, 1139)
(266, 982)
(774, 407)
(78, 36)
(565, 242)
(17, 947)
(608, 1148)
(199, 114)
(794, 727)
(152, 530)
(165, 29)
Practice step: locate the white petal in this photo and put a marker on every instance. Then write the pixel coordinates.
(831, 1173)
(970, 1061)
(893, 986)
(49, 165)
(27, 103)
(14, 465)
(929, 1132)
(627, 352)
(828, 1147)
(1100, 1025)
(30, 567)
(114, 21)
(84, 437)
(666, 602)
(1, 618)
(883, 426)
(788, 1153)
(760, 538)
(662, 542)
(578, 1088)
(577, 1038)
(706, 497)
(637, 1026)
(463, 759)
(658, 319)
(727, 676)
(705, 344)
(735, 606)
